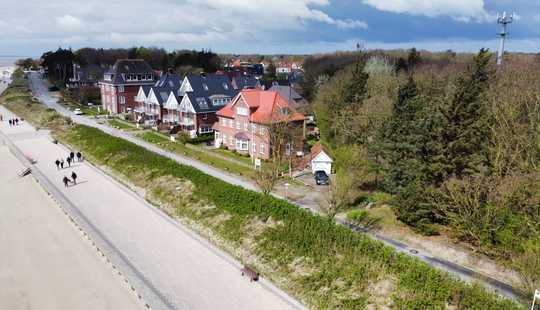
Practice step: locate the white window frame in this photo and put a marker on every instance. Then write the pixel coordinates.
(254, 127)
(122, 100)
(242, 145)
(246, 126)
(242, 111)
(121, 88)
(206, 129)
(262, 148)
(238, 126)
(261, 130)
(205, 116)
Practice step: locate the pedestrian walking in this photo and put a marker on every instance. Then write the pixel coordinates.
(68, 159)
(17, 121)
(66, 181)
(1, 118)
(72, 156)
(57, 162)
(10, 122)
(74, 178)
(79, 156)
(62, 164)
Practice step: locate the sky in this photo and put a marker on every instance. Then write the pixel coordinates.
(31, 27)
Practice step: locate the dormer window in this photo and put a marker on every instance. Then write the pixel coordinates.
(225, 86)
(242, 111)
(284, 111)
(205, 87)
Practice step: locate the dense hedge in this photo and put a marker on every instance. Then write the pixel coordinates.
(339, 255)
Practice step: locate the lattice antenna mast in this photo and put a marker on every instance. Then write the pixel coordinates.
(503, 20)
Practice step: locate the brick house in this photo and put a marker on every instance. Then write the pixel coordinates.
(244, 124)
(120, 85)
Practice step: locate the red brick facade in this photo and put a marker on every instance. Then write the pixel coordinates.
(118, 98)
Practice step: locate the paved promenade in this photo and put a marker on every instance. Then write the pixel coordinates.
(45, 263)
(183, 270)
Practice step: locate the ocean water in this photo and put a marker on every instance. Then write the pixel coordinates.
(8, 61)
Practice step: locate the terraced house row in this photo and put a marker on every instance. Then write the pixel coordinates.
(235, 108)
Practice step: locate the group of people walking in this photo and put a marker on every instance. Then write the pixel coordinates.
(13, 122)
(71, 158)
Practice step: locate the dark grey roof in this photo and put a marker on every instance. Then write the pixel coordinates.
(162, 94)
(146, 89)
(245, 81)
(208, 87)
(90, 73)
(171, 80)
(269, 83)
(122, 67)
(287, 92)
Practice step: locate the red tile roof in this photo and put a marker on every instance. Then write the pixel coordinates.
(265, 107)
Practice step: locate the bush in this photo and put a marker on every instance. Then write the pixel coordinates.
(202, 139)
(342, 261)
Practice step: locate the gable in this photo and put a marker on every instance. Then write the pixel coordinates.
(152, 97)
(322, 157)
(186, 106)
(185, 87)
(171, 103)
(141, 96)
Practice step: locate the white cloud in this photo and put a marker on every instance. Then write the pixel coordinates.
(461, 10)
(70, 23)
(169, 23)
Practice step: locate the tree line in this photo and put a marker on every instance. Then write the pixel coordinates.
(60, 62)
(457, 145)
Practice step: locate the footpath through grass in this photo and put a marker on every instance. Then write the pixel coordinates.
(203, 156)
(324, 265)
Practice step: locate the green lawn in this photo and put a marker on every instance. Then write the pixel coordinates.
(119, 124)
(203, 156)
(233, 155)
(324, 265)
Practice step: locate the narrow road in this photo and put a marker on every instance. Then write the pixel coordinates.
(175, 268)
(41, 91)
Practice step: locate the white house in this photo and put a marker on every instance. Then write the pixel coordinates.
(320, 160)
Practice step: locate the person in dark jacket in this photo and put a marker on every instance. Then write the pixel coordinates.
(62, 163)
(74, 178)
(68, 159)
(9, 122)
(66, 181)
(57, 162)
(79, 156)
(72, 156)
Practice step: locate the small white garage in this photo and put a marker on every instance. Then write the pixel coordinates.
(320, 160)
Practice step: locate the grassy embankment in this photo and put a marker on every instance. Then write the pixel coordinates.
(324, 265)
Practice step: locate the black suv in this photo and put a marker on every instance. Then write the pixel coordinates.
(321, 178)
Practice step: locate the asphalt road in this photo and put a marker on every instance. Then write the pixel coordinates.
(40, 90)
(45, 262)
(179, 269)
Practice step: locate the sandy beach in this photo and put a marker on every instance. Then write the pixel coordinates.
(45, 262)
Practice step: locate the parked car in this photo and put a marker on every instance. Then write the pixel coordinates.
(321, 178)
(78, 111)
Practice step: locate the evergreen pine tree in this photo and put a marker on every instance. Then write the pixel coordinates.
(467, 119)
(399, 148)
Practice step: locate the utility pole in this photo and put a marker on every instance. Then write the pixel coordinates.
(503, 20)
